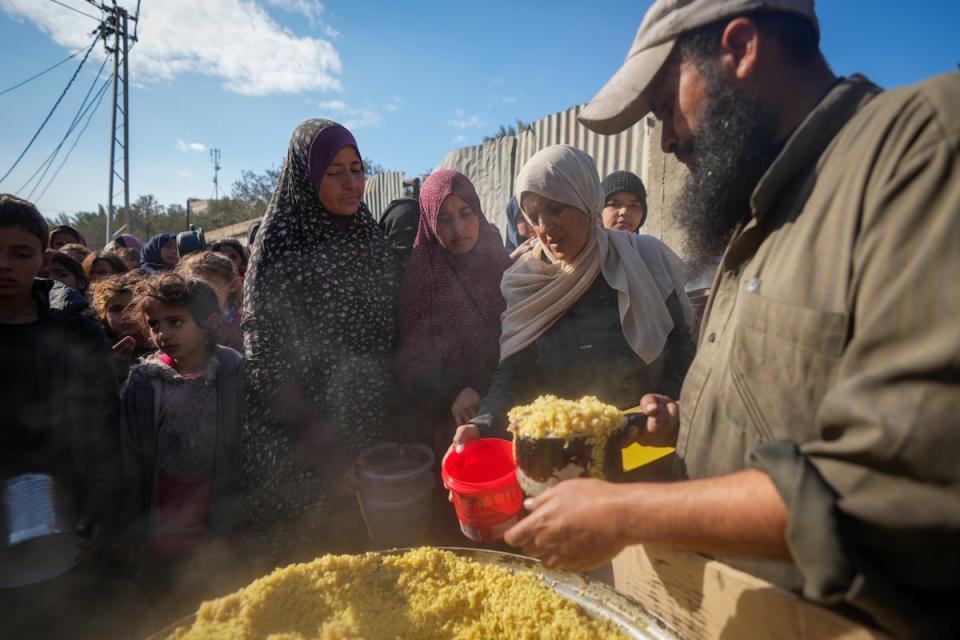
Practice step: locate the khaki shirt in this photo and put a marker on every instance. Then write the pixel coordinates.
(829, 354)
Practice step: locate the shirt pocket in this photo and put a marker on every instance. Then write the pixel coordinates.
(783, 361)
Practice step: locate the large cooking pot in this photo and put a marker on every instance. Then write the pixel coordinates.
(38, 538)
(595, 599)
(544, 462)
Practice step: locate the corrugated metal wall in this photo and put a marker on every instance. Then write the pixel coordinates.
(381, 190)
(490, 168)
(493, 166)
(610, 153)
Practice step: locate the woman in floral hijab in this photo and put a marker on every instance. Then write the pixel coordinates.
(319, 328)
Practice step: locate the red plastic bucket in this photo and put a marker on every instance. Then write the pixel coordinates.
(483, 481)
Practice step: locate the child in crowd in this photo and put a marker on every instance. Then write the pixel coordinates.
(159, 254)
(217, 271)
(130, 257)
(68, 271)
(62, 235)
(112, 300)
(233, 249)
(102, 264)
(180, 426)
(59, 402)
(78, 252)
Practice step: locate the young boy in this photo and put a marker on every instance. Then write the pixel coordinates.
(58, 397)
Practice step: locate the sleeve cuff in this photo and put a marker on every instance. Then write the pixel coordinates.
(487, 424)
(814, 529)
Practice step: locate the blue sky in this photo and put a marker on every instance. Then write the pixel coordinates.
(413, 79)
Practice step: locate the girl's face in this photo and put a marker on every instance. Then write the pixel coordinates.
(562, 227)
(622, 211)
(131, 259)
(168, 252)
(458, 226)
(175, 332)
(101, 269)
(229, 252)
(118, 321)
(60, 273)
(342, 185)
(524, 230)
(224, 288)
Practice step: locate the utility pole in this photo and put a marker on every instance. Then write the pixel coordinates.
(215, 158)
(116, 40)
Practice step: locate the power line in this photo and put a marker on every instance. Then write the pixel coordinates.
(136, 22)
(47, 70)
(75, 10)
(53, 178)
(81, 111)
(49, 115)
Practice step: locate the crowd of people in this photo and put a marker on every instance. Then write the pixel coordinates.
(206, 411)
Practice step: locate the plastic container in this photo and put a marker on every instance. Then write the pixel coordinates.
(483, 481)
(396, 486)
(543, 463)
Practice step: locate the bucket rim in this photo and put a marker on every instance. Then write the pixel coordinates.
(395, 478)
(474, 489)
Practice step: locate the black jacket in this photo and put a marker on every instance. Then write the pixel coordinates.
(142, 396)
(585, 353)
(64, 418)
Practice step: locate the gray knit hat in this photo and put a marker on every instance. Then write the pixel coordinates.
(629, 182)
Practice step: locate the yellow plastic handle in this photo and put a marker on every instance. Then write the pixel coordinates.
(636, 455)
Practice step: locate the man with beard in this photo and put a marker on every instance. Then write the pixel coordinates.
(817, 430)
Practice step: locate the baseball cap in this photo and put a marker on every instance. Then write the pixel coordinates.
(623, 100)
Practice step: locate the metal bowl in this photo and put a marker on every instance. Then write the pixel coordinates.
(595, 599)
(38, 539)
(545, 462)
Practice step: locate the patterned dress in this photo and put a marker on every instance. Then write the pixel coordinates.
(319, 331)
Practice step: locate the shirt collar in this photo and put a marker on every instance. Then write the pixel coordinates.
(809, 140)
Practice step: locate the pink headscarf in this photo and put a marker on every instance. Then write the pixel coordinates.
(450, 305)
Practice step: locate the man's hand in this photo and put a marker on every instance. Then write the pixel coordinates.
(576, 525)
(662, 423)
(580, 524)
(465, 405)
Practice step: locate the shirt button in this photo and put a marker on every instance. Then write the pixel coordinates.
(753, 285)
(712, 337)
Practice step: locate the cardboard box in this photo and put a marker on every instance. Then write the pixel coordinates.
(702, 599)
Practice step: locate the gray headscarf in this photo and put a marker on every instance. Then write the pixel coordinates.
(538, 292)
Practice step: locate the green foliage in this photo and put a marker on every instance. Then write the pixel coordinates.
(508, 130)
(371, 167)
(249, 196)
(248, 199)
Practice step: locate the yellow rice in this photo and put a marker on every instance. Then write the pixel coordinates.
(551, 417)
(425, 593)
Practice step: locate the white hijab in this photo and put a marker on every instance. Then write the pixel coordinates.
(643, 270)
